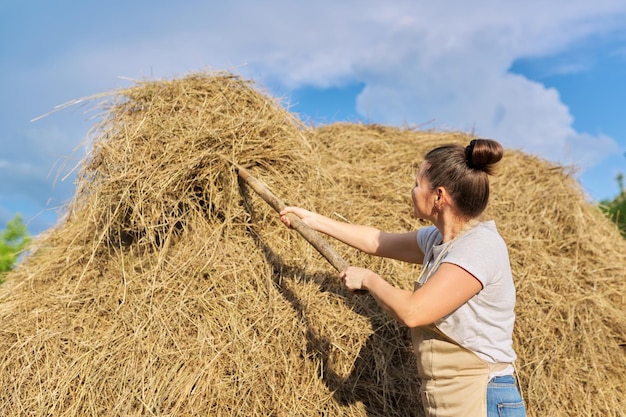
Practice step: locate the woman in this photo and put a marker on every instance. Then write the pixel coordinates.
(461, 311)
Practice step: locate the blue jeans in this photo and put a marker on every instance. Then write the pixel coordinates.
(503, 398)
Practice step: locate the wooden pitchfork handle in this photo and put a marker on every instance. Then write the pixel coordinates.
(297, 224)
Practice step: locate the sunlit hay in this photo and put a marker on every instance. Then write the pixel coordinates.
(164, 155)
(155, 294)
(569, 261)
(171, 289)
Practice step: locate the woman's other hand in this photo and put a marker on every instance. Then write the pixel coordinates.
(355, 278)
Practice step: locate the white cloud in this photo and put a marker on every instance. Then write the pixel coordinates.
(446, 61)
(419, 61)
(454, 73)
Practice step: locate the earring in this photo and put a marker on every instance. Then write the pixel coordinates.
(438, 202)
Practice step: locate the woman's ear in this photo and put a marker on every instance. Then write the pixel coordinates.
(439, 194)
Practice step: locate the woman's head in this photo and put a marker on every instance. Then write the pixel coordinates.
(464, 173)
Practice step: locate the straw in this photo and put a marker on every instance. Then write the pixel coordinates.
(170, 289)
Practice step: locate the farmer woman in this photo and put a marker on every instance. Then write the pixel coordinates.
(461, 311)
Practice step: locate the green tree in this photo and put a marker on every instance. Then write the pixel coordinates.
(616, 209)
(13, 240)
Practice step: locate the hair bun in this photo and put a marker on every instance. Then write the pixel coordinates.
(469, 150)
(482, 154)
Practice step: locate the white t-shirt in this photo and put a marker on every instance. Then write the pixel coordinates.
(484, 324)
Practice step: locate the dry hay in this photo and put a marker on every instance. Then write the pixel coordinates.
(170, 290)
(569, 262)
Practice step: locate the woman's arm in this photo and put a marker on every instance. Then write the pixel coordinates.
(400, 246)
(449, 288)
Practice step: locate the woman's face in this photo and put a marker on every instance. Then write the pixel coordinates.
(422, 196)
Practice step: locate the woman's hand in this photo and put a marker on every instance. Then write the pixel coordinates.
(355, 279)
(303, 214)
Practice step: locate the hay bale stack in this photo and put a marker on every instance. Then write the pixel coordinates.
(569, 261)
(169, 289)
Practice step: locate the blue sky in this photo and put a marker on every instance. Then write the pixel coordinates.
(546, 77)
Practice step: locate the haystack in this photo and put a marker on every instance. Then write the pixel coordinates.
(171, 289)
(568, 260)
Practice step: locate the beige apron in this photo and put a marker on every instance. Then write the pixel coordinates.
(454, 379)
